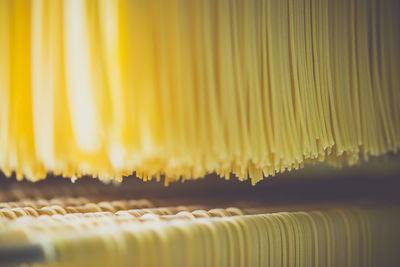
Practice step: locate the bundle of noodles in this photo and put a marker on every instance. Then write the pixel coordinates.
(130, 233)
(183, 88)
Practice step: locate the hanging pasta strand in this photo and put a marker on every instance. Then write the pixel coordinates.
(186, 88)
(137, 233)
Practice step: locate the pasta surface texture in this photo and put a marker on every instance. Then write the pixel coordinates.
(77, 232)
(186, 88)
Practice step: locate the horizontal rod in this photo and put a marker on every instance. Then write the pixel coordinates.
(21, 254)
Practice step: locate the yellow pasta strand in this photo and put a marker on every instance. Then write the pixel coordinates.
(135, 233)
(185, 88)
